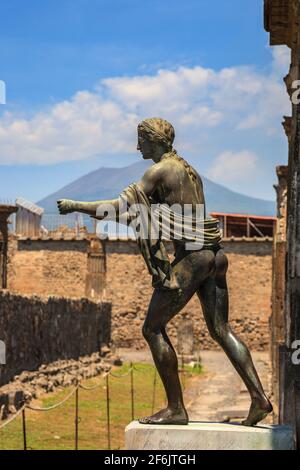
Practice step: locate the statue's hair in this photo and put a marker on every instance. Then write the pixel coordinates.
(158, 130)
(161, 131)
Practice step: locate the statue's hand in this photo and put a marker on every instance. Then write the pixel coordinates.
(65, 206)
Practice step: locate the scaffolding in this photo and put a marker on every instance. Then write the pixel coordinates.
(244, 225)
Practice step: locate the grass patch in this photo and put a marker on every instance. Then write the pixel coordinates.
(55, 430)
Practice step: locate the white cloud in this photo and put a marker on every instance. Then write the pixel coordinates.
(230, 167)
(200, 102)
(281, 60)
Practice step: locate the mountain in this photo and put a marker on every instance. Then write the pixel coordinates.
(107, 183)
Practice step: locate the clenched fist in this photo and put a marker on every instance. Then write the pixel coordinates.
(65, 206)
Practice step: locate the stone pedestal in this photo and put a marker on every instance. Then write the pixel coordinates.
(208, 436)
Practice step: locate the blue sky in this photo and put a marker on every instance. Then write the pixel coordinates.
(80, 74)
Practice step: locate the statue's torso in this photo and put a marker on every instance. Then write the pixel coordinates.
(178, 187)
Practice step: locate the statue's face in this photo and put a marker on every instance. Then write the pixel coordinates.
(146, 147)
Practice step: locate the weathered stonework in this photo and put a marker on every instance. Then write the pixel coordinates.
(40, 331)
(60, 268)
(95, 283)
(5, 212)
(207, 437)
(249, 280)
(277, 320)
(57, 267)
(48, 377)
(282, 19)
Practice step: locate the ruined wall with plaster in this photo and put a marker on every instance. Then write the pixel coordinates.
(60, 267)
(249, 282)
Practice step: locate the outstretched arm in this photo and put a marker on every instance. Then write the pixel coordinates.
(67, 206)
(148, 184)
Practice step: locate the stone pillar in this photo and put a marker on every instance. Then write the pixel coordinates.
(289, 399)
(3, 253)
(96, 270)
(5, 212)
(185, 340)
(282, 19)
(277, 320)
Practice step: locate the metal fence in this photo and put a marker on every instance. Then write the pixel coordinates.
(7, 201)
(75, 222)
(76, 391)
(54, 222)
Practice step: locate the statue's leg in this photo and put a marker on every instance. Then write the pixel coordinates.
(164, 305)
(213, 295)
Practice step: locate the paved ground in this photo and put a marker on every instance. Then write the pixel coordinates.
(218, 395)
(221, 394)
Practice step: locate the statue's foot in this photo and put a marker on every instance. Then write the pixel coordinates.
(167, 416)
(260, 408)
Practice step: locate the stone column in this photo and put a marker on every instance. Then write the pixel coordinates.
(277, 320)
(290, 374)
(3, 252)
(282, 19)
(5, 212)
(96, 270)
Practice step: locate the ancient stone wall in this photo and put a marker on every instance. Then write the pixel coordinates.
(249, 282)
(39, 331)
(55, 267)
(60, 267)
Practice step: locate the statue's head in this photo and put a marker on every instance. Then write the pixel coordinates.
(155, 137)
